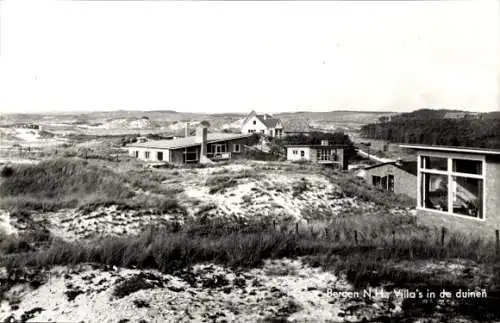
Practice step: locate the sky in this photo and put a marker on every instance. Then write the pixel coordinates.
(219, 57)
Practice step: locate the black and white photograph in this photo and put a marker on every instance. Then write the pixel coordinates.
(249, 161)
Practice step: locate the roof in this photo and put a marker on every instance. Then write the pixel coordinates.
(407, 166)
(470, 150)
(317, 146)
(266, 119)
(189, 141)
(296, 125)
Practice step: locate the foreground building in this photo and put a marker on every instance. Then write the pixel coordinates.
(202, 147)
(262, 124)
(320, 154)
(399, 177)
(460, 186)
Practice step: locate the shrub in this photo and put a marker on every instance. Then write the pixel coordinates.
(7, 171)
(219, 183)
(136, 283)
(299, 187)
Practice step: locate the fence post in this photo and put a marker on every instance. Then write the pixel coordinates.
(497, 242)
(442, 236)
(297, 227)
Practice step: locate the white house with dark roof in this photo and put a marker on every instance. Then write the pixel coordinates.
(325, 153)
(262, 124)
(200, 148)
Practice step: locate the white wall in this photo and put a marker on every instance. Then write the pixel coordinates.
(258, 126)
(295, 157)
(152, 153)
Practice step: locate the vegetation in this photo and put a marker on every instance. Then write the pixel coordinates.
(219, 182)
(369, 249)
(69, 182)
(431, 128)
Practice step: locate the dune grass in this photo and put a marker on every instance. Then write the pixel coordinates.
(71, 182)
(369, 249)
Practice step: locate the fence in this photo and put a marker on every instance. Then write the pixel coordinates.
(444, 243)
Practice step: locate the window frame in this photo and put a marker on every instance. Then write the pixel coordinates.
(450, 174)
(147, 154)
(236, 150)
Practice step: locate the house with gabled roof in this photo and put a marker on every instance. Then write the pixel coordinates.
(397, 176)
(262, 124)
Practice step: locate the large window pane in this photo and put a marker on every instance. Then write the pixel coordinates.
(436, 163)
(435, 192)
(467, 196)
(468, 166)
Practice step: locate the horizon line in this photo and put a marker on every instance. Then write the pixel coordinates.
(236, 113)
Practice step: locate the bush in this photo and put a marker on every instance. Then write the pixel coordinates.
(136, 283)
(219, 183)
(7, 171)
(300, 187)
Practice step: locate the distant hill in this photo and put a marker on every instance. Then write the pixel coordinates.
(439, 127)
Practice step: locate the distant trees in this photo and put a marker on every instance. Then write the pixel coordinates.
(430, 128)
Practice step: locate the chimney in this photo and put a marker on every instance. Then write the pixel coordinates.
(186, 130)
(324, 142)
(201, 138)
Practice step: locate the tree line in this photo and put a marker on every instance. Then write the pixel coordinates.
(431, 128)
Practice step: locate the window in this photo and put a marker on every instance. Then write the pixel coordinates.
(390, 184)
(159, 155)
(435, 163)
(435, 189)
(136, 154)
(295, 152)
(236, 148)
(262, 131)
(218, 148)
(146, 154)
(452, 185)
(254, 122)
(302, 153)
(467, 166)
(384, 182)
